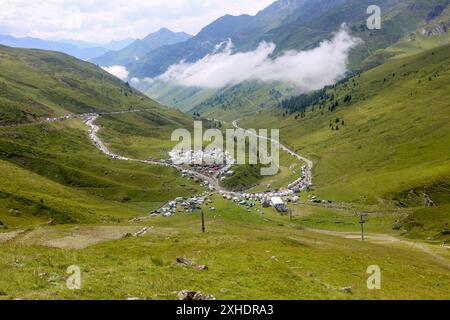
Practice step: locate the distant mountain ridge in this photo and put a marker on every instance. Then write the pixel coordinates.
(294, 25)
(67, 48)
(291, 25)
(112, 45)
(139, 48)
(244, 30)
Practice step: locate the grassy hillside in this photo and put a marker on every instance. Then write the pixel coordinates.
(63, 202)
(247, 98)
(52, 171)
(431, 34)
(387, 139)
(178, 97)
(36, 84)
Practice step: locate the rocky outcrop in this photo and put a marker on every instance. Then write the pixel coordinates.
(437, 30)
(194, 295)
(192, 264)
(427, 200)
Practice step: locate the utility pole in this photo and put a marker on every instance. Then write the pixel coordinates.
(203, 221)
(362, 221)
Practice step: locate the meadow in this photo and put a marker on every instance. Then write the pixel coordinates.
(248, 256)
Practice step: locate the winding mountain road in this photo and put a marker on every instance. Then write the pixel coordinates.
(93, 130)
(307, 180)
(91, 118)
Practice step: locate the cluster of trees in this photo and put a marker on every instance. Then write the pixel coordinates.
(302, 102)
(322, 99)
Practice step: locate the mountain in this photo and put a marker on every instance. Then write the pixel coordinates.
(62, 201)
(81, 44)
(70, 49)
(139, 48)
(242, 30)
(379, 140)
(118, 44)
(36, 84)
(112, 46)
(293, 25)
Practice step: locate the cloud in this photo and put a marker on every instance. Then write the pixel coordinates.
(135, 81)
(105, 20)
(119, 71)
(149, 81)
(307, 70)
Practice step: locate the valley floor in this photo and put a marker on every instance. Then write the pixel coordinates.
(249, 253)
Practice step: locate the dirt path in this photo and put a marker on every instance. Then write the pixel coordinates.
(388, 239)
(68, 238)
(8, 236)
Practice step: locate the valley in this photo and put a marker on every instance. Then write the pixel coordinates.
(88, 177)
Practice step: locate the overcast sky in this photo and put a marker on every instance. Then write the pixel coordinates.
(105, 20)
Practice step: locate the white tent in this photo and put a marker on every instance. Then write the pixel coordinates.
(276, 201)
(278, 204)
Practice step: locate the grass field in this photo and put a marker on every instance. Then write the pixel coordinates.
(248, 177)
(248, 256)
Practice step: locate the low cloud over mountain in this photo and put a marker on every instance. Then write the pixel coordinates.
(308, 70)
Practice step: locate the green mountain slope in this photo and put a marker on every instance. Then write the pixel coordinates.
(433, 33)
(36, 84)
(178, 97)
(53, 170)
(378, 138)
